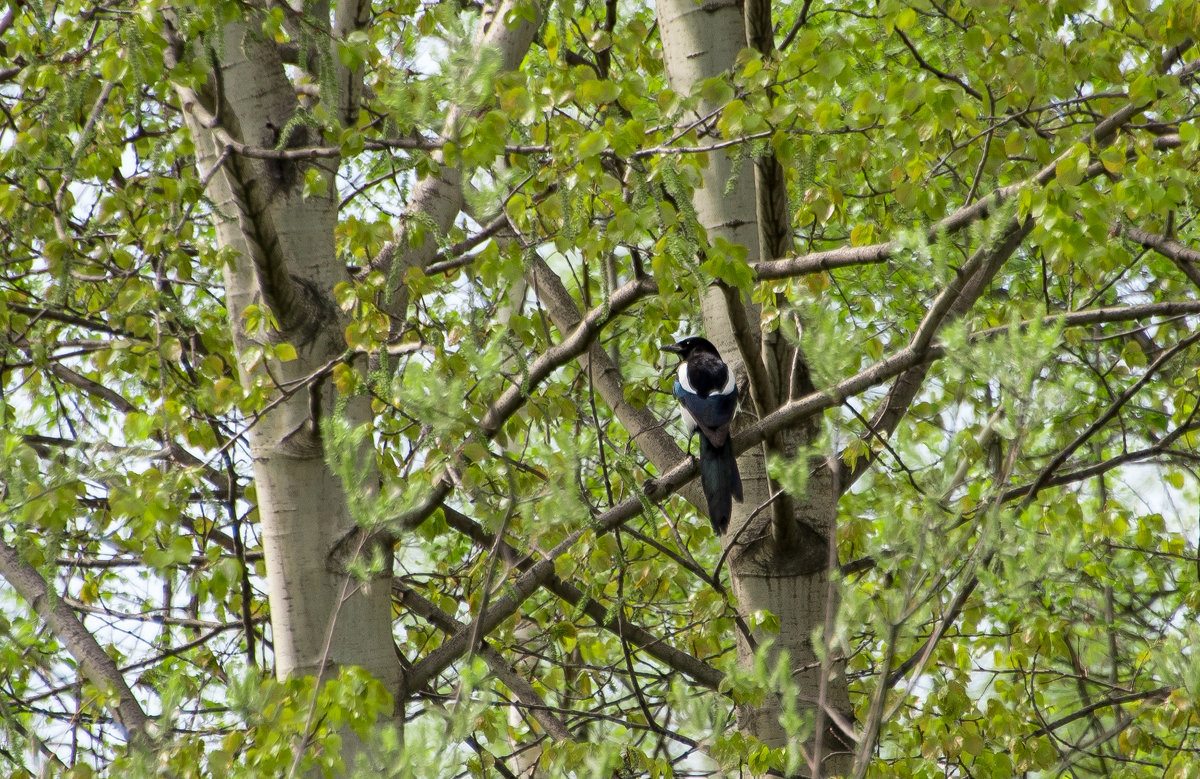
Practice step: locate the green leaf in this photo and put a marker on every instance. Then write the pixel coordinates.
(1069, 168)
(591, 144)
(1143, 90)
(181, 550)
(716, 91)
(1189, 133)
(853, 451)
(285, 352)
(1014, 144)
(597, 92)
(1113, 158)
(727, 262)
(862, 234)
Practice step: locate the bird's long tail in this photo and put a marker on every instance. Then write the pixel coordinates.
(720, 480)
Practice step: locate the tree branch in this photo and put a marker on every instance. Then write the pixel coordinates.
(1113, 409)
(100, 669)
(519, 685)
(948, 618)
(511, 400)
(349, 16)
(966, 215)
(93, 388)
(906, 358)
(643, 427)
(801, 20)
(575, 344)
(1159, 693)
(943, 75)
(1096, 469)
(437, 200)
(1185, 258)
(954, 302)
(538, 573)
(617, 624)
(249, 189)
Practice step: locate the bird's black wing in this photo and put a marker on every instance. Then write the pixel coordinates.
(713, 414)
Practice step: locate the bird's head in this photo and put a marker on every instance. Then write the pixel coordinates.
(692, 345)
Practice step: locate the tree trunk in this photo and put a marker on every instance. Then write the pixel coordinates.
(284, 261)
(781, 557)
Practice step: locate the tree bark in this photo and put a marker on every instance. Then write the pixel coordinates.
(438, 200)
(781, 556)
(284, 260)
(94, 663)
(283, 242)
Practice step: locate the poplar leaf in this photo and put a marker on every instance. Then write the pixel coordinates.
(285, 352)
(596, 91)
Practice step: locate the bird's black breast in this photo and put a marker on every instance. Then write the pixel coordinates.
(707, 373)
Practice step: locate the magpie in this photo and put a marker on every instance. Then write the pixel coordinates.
(708, 395)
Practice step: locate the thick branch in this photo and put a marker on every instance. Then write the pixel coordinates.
(519, 685)
(1185, 258)
(439, 199)
(563, 352)
(251, 194)
(1174, 54)
(906, 358)
(348, 17)
(814, 403)
(618, 625)
(954, 302)
(528, 582)
(658, 489)
(645, 429)
(816, 262)
(93, 388)
(100, 669)
(511, 400)
(963, 217)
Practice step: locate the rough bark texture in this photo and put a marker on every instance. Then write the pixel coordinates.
(285, 260)
(781, 556)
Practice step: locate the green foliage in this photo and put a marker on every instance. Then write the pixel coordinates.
(125, 400)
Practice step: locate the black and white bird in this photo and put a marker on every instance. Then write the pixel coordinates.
(708, 395)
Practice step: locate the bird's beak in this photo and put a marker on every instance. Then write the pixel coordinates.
(673, 348)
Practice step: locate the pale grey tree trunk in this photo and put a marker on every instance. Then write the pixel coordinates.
(282, 242)
(284, 261)
(781, 558)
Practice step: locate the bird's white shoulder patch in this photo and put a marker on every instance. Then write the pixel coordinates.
(730, 383)
(683, 378)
